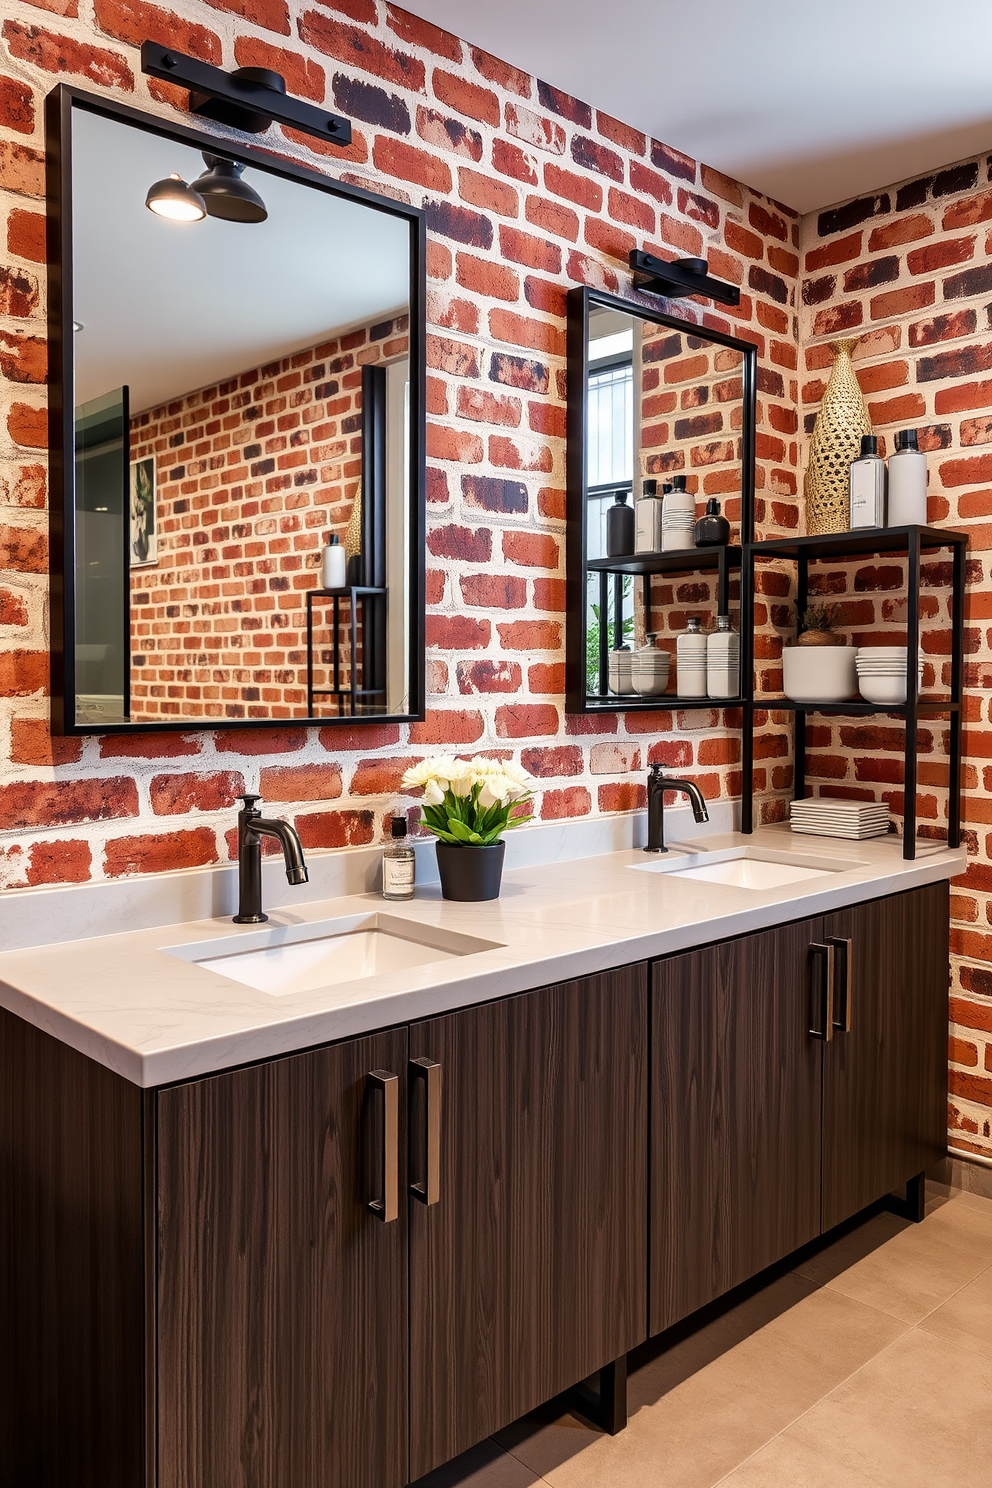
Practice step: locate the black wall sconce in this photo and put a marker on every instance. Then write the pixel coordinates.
(250, 99)
(685, 276)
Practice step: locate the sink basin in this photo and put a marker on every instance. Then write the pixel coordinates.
(300, 958)
(748, 867)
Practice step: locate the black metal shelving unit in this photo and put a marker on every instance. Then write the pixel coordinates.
(367, 665)
(908, 542)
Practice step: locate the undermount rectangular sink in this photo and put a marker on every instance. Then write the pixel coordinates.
(301, 958)
(747, 867)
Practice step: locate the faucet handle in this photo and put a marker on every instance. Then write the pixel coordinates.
(249, 800)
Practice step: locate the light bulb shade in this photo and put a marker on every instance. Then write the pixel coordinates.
(225, 194)
(176, 201)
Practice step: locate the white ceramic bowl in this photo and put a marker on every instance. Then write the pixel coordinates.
(883, 689)
(819, 674)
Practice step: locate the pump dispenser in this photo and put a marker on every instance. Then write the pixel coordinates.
(907, 482)
(868, 486)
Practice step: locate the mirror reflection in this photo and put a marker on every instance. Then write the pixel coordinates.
(665, 420)
(242, 439)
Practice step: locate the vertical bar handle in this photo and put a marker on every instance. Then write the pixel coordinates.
(822, 964)
(428, 1071)
(388, 1207)
(843, 958)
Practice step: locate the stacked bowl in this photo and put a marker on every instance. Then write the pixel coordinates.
(882, 673)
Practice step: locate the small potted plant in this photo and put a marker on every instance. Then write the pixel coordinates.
(468, 805)
(820, 667)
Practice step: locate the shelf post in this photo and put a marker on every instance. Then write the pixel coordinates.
(912, 692)
(746, 687)
(959, 555)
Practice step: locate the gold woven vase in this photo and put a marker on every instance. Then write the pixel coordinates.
(840, 423)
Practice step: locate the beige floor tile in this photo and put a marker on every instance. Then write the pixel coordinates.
(967, 1317)
(824, 1264)
(485, 1466)
(916, 1416)
(925, 1264)
(707, 1424)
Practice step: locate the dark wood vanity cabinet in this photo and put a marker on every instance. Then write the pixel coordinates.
(765, 1133)
(194, 1289)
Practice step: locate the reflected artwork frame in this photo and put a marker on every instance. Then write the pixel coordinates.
(142, 513)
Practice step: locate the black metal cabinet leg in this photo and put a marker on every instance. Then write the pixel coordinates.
(606, 1408)
(914, 1205)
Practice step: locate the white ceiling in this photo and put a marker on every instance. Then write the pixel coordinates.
(810, 101)
(169, 307)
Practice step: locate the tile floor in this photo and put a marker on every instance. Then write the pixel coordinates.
(870, 1364)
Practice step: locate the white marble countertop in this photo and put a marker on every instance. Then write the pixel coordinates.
(154, 1016)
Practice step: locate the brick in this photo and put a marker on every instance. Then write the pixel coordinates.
(32, 803)
(680, 235)
(900, 411)
(976, 431)
(16, 105)
(977, 281)
(444, 443)
(23, 673)
(260, 741)
(650, 183)
(489, 676)
(370, 103)
(58, 862)
(903, 230)
(336, 829)
(624, 795)
(501, 73)
(961, 362)
(19, 293)
(725, 187)
(593, 156)
(302, 75)
(571, 800)
(459, 223)
(564, 104)
(467, 98)
(160, 854)
(606, 238)
(526, 720)
(23, 549)
(546, 678)
(524, 248)
(32, 743)
(22, 169)
(175, 795)
(453, 726)
(966, 472)
(63, 54)
(494, 591)
(510, 160)
(477, 403)
(901, 301)
(852, 214)
(836, 318)
(967, 395)
(841, 250)
(354, 47)
(417, 32)
(942, 328)
(578, 189)
(135, 21)
(397, 158)
(519, 330)
(543, 133)
(457, 632)
(531, 549)
(351, 737)
(380, 776)
(872, 272)
(781, 259)
(23, 358)
(445, 133)
(967, 213)
(766, 283)
(456, 358)
(625, 208)
(549, 762)
(672, 161)
(559, 221)
(26, 234)
(530, 635)
(940, 255)
(519, 372)
(970, 1087)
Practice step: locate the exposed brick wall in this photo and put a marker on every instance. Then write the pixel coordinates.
(908, 269)
(253, 474)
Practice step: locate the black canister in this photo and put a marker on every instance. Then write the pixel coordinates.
(620, 528)
(712, 530)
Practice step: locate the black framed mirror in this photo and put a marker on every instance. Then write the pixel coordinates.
(661, 425)
(237, 385)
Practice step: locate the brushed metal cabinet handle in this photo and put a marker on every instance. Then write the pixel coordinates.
(388, 1207)
(428, 1072)
(822, 958)
(843, 960)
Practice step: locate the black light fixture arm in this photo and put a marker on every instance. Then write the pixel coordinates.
(676, 280)
(250, 98)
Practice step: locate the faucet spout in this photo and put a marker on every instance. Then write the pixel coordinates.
(658, 784)
(252, 827)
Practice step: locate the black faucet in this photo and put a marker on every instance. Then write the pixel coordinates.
(658, 783)
(252, 827)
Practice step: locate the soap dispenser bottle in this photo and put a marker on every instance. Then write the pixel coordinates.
(868, 486)
(723, 660)
(712, 530)
(619, 528)
(332, 564)
(399, 863)
(690, 654)
(907, 482)
(649, 509)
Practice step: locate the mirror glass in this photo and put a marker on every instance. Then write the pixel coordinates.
(664, 407)
(241, 395)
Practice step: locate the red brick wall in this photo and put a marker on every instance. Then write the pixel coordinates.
(908, 270)
(252, 475)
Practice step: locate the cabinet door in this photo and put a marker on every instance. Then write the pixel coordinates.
(282, 1312)
(735, 1116)
(530, 1271)
(885, 1080)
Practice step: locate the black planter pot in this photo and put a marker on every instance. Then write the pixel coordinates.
(470, 873)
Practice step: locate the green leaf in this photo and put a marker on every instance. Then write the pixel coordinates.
(462, 832)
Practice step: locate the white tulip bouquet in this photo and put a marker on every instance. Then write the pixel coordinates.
(467, 803)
